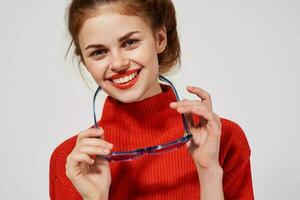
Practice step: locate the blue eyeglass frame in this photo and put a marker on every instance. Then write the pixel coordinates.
(157, 149)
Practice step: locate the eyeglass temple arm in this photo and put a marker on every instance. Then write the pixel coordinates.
(94, 102)
(185, 122)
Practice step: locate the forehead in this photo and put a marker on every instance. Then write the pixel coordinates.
(110, 25)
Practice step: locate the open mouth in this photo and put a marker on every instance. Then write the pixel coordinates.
(125, 82)
(126, 79)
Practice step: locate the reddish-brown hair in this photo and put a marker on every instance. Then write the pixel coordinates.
(157, 13)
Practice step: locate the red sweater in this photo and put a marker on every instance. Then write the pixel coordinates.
(167, 176)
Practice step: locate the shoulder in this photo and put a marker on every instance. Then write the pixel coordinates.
(60, 154)
(232, 131)
(234, 143)
(64, 148)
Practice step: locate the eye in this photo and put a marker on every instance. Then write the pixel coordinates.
(131, 42)
(98, 52)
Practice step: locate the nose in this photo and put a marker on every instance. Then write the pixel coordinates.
(119, 62)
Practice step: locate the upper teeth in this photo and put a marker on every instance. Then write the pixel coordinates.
(125, 78)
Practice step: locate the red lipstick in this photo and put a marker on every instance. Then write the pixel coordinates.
(127, 85)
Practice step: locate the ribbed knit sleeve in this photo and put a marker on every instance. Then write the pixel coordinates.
(52, 177)
(235, 159)
(60, 187)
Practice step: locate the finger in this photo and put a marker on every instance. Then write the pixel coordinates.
(93, 150)
(193, 120)
(186, 103)
(205, 96)
(73, 164)
(93, 132)
(199, 92)
(95, 142)
(76, 158)
(202, 111)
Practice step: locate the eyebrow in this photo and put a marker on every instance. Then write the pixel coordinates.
(120, 40)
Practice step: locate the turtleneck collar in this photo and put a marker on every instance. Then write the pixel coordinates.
(153, 104)
(144, 123)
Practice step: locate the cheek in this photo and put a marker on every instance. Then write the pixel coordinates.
(145, 55)
(96, 69)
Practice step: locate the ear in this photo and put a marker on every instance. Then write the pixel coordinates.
(161, 39)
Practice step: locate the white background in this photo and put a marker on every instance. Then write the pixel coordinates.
(245, 53)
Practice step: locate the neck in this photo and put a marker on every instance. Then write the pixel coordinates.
(153, 90)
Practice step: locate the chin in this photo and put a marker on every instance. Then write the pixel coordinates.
(128, 99)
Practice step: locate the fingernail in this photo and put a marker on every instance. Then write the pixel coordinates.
(110, 145)
(172, 104)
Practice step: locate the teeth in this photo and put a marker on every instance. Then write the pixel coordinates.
(125, 79)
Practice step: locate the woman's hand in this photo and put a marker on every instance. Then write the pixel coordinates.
(89, 173)
(205, 143)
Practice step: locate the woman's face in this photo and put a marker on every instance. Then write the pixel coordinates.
(120, 52)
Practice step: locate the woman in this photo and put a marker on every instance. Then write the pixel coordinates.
(126, 46)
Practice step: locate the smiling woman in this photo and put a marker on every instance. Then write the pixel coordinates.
(131, 48)
(126, 46)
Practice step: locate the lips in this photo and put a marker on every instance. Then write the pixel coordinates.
(127, 73)
(128, 84)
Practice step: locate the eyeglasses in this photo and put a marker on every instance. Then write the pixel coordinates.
(152, 150)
